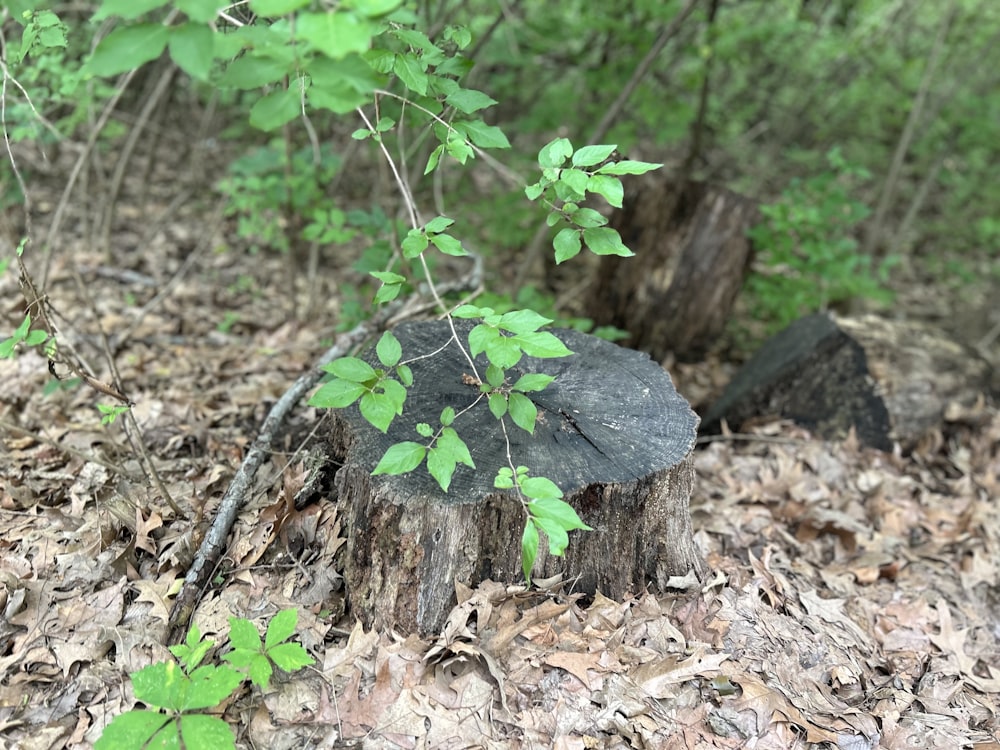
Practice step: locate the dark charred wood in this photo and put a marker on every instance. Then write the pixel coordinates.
(889, 380)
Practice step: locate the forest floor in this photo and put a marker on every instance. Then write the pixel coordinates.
(853, 600)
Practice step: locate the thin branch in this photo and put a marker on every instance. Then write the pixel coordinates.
(533, 251)
(876, 228)
(241, 487)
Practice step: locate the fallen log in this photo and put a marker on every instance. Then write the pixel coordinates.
(611, 432)
(889, 380)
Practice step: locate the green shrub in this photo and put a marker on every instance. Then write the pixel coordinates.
(808, 258)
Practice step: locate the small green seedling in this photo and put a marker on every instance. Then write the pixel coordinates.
(177, 692)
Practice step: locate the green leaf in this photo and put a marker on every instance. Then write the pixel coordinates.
(200, 11)
(555, 153)
(414, 243)
(438, 224)
(433, 159)
(259, 670)
(534, 191)
(588, 156)
(405, 375)
(469, 100)
(201, 731)
(276, 108)
(351, 368)
(379, 410)
(387, 277)
(480, 337)
(127, 9)
(567, 244)
(210, 685)
(576, 180)
(337, 394)
(628, 167)
(401, 458)
(523, 321)
(243, 634)
(495, 376)
(605, 241)
(387, 293)
(529, 548)
(290, 656)
(523, 411)
(341, 85)
(36, 338)
(450, 441)
(191, 47)
(441, 466)
(504, 480)
(542, 344)
(609, 188)
(587, 218)
(411, 72)
(395, 392)
(541, 489)
(127, 48)
(448, 245)
(552, 507)
(483, 135)
(251, 72)
(132, 729)
(275, 8)
(389, 349)
(424, 429)
(532, 382)
(335, 33)
(558, 538)
(498, 404)
(281, 627)
(504, 351)
(470, 311)
(447, 416)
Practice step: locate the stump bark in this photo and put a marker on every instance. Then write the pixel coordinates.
(692, 258)
(889, 380)
(612, 433)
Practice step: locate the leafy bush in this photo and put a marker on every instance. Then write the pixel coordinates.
(807, 256)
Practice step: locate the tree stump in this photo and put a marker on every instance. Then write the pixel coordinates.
(612, 433)
(890, 380)
(692, 258)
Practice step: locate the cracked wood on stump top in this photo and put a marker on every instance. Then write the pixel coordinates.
(612, 432)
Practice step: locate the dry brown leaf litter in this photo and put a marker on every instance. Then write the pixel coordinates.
(854, 600)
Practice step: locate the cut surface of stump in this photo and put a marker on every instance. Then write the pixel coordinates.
(612, 433)
(890, 380)
(692, 258)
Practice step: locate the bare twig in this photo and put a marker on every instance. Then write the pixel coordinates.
(877, 226)
(239, 489)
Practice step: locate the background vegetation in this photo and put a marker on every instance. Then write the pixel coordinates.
(753, 93)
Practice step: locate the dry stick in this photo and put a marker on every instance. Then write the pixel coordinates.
(133, 433)
(57, 216)
(164, 80)
(875, 229)
(240, 488)
(534, 249)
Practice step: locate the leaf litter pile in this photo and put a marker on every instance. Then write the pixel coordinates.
(853, 601)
